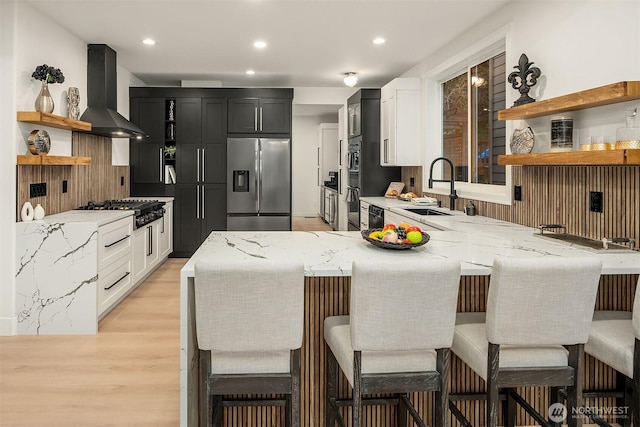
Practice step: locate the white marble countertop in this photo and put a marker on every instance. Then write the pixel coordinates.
(97, 217)
(331, 253)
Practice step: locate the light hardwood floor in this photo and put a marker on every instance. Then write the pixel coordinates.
(126, 375)
(304, 223)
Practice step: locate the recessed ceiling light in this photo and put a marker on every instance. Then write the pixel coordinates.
(260, 44)
(149, 42)
(250, 72)
(378, 40)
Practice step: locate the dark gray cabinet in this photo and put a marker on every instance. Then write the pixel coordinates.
(146, 155)
(197, 122)
(260, 115)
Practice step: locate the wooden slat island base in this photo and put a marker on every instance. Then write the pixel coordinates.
(329, 296)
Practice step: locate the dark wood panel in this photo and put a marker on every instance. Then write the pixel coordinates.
(97, 181)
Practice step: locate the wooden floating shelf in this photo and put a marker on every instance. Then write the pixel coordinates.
(53, 121)
(573, 158)
(53, 160)
(597, 97)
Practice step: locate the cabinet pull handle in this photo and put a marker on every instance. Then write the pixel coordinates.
(202, 204)
(255, 119)
(150, 239)
(260, 118)
(117, 241)
(386, 151)
(161, 168)
(117, 281)
(162, 232)
(203, 168)
(197, 165)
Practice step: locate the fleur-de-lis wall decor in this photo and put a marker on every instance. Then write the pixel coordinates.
(524, 79)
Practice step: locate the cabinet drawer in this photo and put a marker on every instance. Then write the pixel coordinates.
(114, 240)
(113, 282)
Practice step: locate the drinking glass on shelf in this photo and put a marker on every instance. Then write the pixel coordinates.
(585, 143)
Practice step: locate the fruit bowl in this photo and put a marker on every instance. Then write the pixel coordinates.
(389, 245)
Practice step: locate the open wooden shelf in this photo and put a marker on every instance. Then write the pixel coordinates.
(53, 160)
(597, 97)
(571, 158)
(52, 120)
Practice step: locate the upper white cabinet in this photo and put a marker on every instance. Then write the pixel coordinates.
(400, 123)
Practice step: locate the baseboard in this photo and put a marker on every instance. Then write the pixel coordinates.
(8, 326)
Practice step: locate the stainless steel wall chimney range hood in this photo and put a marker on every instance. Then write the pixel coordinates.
(102, 96)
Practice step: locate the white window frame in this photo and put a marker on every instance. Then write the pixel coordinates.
(432, 80)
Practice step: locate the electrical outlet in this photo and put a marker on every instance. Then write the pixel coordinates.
(596, 201)
(64, 185)
(122, 180)
(517, 193)
(37, 190)
(412, 182)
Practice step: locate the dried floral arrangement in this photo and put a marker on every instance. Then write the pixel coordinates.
(48, 74)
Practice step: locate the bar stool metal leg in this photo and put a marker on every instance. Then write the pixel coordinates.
(574, 392)
(492, 385)
(357, 389)
(332, 384)
(443, 365)
(401, 410)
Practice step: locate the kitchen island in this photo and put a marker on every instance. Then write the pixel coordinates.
(327, 257)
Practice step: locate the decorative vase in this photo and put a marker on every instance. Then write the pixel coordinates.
(73, 103)
(44, 101)
(38, 212)
(27, 212)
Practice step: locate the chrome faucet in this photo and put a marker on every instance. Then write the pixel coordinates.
(453, 196)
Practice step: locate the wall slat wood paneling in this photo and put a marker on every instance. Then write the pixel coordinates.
(329, 296)
(97, 182)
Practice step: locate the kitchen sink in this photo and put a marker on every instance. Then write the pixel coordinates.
(426, 211)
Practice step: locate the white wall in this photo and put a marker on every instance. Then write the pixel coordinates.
(8, 11)
(577, 45)
(22, 49)
(120, 146)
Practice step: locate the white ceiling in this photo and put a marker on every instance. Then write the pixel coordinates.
(310, 42)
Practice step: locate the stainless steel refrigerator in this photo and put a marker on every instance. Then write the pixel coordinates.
(258, 184)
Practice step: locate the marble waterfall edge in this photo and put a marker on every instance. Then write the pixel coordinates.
(56, 277)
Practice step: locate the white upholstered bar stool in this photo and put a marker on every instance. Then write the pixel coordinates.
(538, 318)
(615, 340)
(249, 325)
(396, 339)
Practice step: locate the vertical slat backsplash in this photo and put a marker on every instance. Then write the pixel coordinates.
(98, 181)
(560, 195)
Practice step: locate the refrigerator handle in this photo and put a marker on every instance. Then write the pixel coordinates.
(260, 118)
(203, 168)
(340, 181)
(198, 202)
(260, 178)
(198, 165)
(161, 168)
(202, 202)
(257, 173)
(255, 119)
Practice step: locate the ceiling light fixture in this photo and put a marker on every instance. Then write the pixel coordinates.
(149, 42)
(260, 44)
(350, 79)
(378, 40)
(250, 72)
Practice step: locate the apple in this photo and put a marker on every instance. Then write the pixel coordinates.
(414, 236)
(389, 226)
(390, 237)
(413, 228)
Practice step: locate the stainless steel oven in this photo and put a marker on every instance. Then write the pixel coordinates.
(353, 201)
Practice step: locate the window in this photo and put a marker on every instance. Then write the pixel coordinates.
(472, 136)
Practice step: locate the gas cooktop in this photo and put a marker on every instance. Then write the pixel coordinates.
(146, 211)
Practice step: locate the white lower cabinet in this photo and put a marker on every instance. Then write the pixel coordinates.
(115, 249)
(165, 232)
(146, 249)
(396, 219)
(114, 281)
(364, 216)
